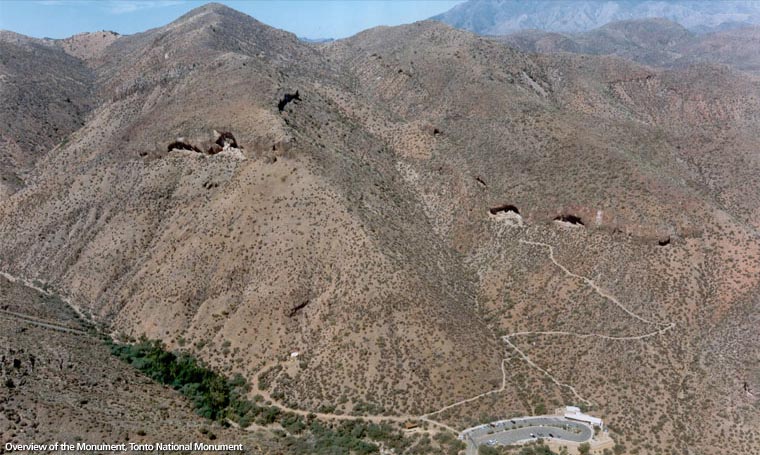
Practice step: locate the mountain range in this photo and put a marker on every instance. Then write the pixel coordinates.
(501, 17)
(654, 42)
(436, 225)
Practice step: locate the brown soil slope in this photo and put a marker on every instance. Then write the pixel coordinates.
(45, 94)
(63, 386)
(657, 165)
(364, 224)
(306, 244)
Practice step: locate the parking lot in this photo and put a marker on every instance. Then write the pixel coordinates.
(518, 430)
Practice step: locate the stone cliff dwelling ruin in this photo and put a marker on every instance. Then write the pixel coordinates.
(504, 209)
(570, 220)
(181, 145)
(508, 213)
(214, 149)
(224, 140)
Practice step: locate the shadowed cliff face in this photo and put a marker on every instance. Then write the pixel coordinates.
(348, 230)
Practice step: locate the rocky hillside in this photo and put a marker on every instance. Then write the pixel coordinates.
(312, 241)
(46, 96)
(59, 383)
(738, 48)
(423, 215)
(500, 17)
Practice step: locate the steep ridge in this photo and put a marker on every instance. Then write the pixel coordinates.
(88, 47)
(404, 71)
(219, 250)
(629, 152)
(355, 225)
(46, 96)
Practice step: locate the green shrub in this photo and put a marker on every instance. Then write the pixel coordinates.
(218, 398)
(486, 450)
(209, 391)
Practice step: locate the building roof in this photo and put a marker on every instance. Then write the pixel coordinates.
(584, 418)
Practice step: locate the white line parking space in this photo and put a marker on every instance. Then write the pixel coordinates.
(525, 429)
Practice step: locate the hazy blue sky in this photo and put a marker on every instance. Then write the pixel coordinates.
(310, 19)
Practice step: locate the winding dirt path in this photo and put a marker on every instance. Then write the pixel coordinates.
(40, 322)
(266, 395)
(591, 284)
(476, 397)
(664, 327)
(401, 419)
(29, 284)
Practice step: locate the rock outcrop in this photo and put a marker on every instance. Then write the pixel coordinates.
(287, 98)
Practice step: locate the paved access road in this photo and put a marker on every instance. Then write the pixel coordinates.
(506, 433)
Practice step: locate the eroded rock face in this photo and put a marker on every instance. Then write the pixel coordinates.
(287, 98)
(506, 208)
(508, 214)
(296, 309)
(214, 149)
(226, 139)
(570, 219)
(181, 145)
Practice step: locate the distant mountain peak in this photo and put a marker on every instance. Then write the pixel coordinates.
(653, 41)
(500, 17)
